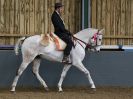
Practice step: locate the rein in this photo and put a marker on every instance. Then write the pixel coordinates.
(87, 45)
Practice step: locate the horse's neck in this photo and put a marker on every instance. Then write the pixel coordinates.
(85, 34)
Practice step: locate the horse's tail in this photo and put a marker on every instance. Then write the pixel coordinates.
(19, 43)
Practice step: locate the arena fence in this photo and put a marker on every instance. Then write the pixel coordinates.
(107, 68)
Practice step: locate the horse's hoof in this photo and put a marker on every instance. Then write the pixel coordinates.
(13, 92)
(94, 89)
(60, 91)
(46, 88)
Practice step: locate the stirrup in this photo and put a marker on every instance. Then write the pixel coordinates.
(67, 63)
(66, 60)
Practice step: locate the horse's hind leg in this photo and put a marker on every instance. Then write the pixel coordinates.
(82, 68)
(64, 72)
(22, 67)
(36, 65)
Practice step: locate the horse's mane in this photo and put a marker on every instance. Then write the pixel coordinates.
(83, 32)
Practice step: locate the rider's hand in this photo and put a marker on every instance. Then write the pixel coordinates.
(69, 33)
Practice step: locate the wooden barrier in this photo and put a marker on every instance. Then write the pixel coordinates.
(30, 17)
(115, 16)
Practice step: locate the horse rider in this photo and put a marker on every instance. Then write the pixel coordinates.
(61, 31)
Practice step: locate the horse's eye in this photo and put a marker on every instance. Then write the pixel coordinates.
(100, 39)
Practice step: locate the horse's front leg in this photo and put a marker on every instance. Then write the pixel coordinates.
(63, 75)
(82, 68)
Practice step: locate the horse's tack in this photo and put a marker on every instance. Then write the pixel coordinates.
(46, 38)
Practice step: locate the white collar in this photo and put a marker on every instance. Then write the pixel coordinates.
(57, 13)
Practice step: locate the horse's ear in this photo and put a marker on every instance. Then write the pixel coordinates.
(102, 31)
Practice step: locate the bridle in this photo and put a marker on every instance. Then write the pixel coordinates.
(95, 36)
(87, 44)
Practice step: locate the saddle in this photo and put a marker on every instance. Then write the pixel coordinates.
(47, 38)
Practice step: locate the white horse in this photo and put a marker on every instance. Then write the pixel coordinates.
(31, 49)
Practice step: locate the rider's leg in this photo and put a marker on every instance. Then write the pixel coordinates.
(67, 50)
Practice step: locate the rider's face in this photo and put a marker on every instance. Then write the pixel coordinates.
(60, 10)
